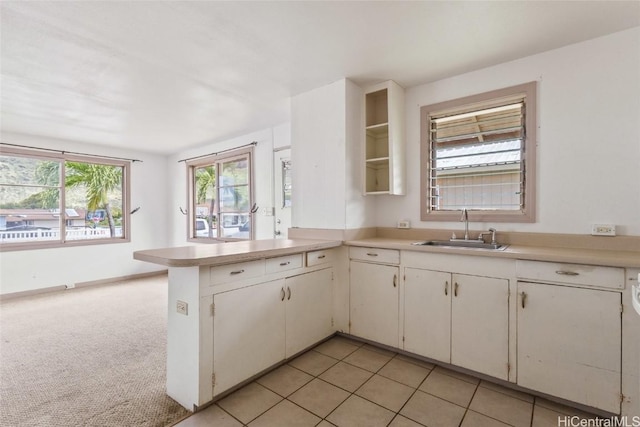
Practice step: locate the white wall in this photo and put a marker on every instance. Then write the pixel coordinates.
(267, 139)
(43, 268)
(326, 133)
(588, 150)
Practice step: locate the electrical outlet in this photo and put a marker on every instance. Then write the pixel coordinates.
(405, 223)
(182, 307)
(603, 230)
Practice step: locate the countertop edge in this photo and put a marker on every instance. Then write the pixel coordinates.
(155, 255)
(607, 258)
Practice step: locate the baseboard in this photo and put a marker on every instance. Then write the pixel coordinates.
(32, 292)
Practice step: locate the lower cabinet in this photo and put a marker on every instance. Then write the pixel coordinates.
(257, 326)
(458, 319)
(569, 343)
(374, 302)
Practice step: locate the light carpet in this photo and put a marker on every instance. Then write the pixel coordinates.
(93, 356)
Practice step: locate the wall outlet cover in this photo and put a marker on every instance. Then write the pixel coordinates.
(405, 223)
(182, 308)
(603, 230)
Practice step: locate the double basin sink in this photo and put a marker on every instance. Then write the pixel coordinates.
(476, 244)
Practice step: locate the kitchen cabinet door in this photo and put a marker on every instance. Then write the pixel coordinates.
(374, 301)
(308, 309)
(569, 343)
(248, 332)
(480, 324)
(427, 313)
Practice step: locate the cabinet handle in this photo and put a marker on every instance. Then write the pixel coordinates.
(233, 273)
(523, 297)
(288, 293)
(567, 273)
(455, 289)
(446, 287)
(322, 256)
(281, 294)
(395, 280)
(372, 254)
(282, 264)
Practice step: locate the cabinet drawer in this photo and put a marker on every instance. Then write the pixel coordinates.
(571, 274)
(283, 263)
(383, 256)
(319, 257)
(239, 271)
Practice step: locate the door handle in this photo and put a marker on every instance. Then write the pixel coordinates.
(288, 293)
(281, 294)
(395, 280)
(523, 298)
(446, 287)
(455, 289)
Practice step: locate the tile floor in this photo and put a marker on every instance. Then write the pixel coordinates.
(343, 383)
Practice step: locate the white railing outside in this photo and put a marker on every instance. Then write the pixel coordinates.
(15, 236)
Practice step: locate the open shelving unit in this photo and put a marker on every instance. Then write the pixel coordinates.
(384, 139)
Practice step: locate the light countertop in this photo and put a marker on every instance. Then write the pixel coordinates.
(611, 258)
(230, 252)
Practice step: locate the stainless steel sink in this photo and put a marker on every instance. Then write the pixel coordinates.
(463, 244)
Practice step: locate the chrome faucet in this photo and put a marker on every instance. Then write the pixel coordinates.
(465, 218)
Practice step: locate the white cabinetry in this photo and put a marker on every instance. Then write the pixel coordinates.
(569, 338)
(459, 319)
(384, 152)
(257, 326)
(248, 332)
(374, 296)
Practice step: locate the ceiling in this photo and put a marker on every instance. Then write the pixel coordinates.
(163, 76)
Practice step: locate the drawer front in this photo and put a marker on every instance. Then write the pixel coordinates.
(383, 256)
(283, 263)
(319, 257)
(239, 271)
(571, 274)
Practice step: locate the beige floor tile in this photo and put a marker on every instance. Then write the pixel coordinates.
(404, 372)
(474, 419)
(325, 423)
(337, 347)
(505, 408)
(432, 411)
(458, 375)
(385, 392)
(367, 359)
(249, 402)
(563, 409)
(415, 361)
(400, 421)
(543, 417)
(357, 412)
(345, 376)
(509, 392)
(212, 415)
(287, 414)
(448, 388)
(284, 380)
(313, 363)
(319, 397)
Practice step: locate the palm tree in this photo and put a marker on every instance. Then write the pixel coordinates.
(206, 184)
(98, 181)
(48, 173)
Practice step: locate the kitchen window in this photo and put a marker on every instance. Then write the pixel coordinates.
(50, 199)
(478, 153)
(220, 197)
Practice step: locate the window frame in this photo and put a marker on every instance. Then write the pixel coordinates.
(217, 159)
(62, 158)
(528, 212)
